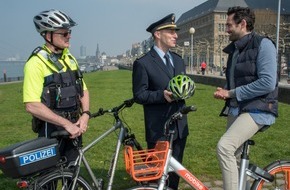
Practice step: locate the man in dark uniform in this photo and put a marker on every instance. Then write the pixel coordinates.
(151, 75)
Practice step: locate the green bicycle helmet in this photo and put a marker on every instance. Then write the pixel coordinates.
(182, 87)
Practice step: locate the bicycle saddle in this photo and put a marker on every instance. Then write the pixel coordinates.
(60, 134)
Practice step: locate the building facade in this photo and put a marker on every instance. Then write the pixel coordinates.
(210, 37)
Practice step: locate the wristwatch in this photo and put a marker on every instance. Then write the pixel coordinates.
(86, 112)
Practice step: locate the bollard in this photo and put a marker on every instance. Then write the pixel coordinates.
(5, 77)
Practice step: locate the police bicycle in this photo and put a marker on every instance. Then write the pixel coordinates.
(38, 165)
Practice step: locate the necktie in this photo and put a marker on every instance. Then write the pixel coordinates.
(168, 65)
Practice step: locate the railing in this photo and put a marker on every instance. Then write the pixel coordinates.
(10, 79)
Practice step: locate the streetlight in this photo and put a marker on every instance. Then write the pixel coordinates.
(221, 39)
(191, 31)
(277, 39)
(278, 25)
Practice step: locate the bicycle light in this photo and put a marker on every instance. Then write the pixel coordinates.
(22, 184)
(2, 160)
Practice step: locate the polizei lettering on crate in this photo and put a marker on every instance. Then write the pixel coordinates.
(37, 156)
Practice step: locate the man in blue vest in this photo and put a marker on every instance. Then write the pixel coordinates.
(251, 93)
(53, 89)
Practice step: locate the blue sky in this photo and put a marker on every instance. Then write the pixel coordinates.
(113, 24)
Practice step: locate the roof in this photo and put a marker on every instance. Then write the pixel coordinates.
(223, 5)
(270, 4)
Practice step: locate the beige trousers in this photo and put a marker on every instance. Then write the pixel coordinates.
(239, 129)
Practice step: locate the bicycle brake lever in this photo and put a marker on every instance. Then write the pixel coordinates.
(99, 113)
(187, 109)
(129, 102)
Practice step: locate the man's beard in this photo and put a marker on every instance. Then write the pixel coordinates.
(233, 37)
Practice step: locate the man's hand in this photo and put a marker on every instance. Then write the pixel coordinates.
(73, 129)
(83, 122)
(221, 93)
(168, 95)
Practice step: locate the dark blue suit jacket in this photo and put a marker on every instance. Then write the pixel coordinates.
(150, 79)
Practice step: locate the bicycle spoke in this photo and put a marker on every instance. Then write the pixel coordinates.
(62, 181)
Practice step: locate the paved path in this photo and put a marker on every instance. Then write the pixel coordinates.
(215, 185)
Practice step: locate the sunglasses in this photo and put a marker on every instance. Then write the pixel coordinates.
(65, 34)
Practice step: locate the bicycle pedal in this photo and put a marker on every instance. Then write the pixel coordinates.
(261, 173)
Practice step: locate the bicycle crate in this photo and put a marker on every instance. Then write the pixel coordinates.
(29, 157)
(146, 165)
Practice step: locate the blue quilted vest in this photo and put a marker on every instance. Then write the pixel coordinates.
(246, 72)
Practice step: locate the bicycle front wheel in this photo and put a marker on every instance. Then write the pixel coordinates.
(280, 169)
(147, 187)
(61, 180)
(143, 188)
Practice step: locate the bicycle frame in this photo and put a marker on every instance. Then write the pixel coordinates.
(172, 165)
(121, 137)
(180, 170)
(82, 158)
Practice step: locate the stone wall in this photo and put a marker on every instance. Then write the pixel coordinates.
(218, 81)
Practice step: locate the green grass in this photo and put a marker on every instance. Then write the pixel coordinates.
(110, 88)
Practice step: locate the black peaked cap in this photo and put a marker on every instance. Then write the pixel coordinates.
(167, 22)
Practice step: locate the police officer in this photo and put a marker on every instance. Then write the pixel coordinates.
(151, 75)
(53, 90)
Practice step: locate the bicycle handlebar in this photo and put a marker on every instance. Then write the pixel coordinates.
(187, 109)
(183, 111)
(177, 116)
(126, 104)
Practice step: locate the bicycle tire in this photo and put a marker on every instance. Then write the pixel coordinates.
(61, 180)
(147, 187)
(280, 169)
(143, 188)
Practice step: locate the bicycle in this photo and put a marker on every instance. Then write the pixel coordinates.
(155, 164)
(53, 172)
(142, 165)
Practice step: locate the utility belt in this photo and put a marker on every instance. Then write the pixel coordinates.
(72, 116)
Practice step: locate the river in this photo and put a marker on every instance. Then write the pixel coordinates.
(12, 69)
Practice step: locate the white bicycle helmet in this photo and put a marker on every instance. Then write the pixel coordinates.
(52, 20)
(182, 87)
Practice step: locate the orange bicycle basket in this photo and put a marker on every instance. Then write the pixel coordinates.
(146, 165)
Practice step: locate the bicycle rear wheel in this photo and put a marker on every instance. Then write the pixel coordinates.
(61, 180)
(280, 169)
